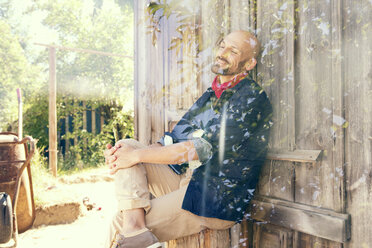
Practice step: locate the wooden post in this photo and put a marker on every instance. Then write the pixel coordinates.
(20, 115)
(93, 121)
(102, 121)
(67, 130)
(85, 126)
(52, 112)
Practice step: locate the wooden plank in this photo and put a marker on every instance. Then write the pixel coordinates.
(102, 121)
(94, 129)
(235, 236)
(212, 15)
(307, 219)
(20, 114)
(67, 131)
(307, 241)
(154, 73)
(357, 36)
(275, 28)
(295, 156)
(171, 94)
(308, 186)
(198, 63)
(85, 126)
(156, 84)
(275, 73)
(277, 180)
(142, 75)
(217, 238)
(338, 148)
(241, 234)
(319, 103)
(240, 15)
(52, 112)
(167, 66)
(246, 234)
(187, 71)
(136, 76)
(205, 239)
(267, 235)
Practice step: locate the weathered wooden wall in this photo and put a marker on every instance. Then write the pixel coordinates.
(316, 68)
(357, 107)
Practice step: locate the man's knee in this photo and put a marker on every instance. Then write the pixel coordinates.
(126, 141)
(131, 142)
(135, 172)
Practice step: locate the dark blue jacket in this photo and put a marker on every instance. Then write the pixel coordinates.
(237, 126)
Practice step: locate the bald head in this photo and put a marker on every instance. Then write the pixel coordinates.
(237, 52)
(250, 45)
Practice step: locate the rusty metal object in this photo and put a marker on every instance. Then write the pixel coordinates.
(15, 180)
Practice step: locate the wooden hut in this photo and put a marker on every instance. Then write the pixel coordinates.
(315, 189)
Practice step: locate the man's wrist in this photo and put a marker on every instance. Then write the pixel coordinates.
(137, 156)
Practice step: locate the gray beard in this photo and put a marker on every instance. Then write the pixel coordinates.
(226, 72)
(217, 70)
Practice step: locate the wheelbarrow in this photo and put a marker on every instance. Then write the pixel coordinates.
(16, 191)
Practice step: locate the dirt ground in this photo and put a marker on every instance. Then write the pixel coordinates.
(89, 230)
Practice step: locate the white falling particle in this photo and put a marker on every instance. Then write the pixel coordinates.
(338, 120)
(327, 111)
(315, 195)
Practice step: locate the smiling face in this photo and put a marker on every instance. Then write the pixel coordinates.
(236, 53)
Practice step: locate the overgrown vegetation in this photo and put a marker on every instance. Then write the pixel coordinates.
(85, 81)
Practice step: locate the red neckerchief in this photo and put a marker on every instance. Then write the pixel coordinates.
(220, 88)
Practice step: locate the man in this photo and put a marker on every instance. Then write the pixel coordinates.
(202, 174)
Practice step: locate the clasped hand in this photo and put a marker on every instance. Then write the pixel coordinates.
(120, 156)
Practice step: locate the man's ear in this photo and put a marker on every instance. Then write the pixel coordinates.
(250, 64)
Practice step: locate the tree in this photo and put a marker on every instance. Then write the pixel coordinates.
(16, 72)
(110, 29)
(103, 83)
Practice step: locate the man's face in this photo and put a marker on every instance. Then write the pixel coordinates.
(232, 54)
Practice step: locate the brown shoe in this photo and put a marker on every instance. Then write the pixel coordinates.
(143, 240)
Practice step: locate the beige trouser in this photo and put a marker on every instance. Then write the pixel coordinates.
(164, 214)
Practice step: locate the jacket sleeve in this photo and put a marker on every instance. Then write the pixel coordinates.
(188, 124)
(184, 131)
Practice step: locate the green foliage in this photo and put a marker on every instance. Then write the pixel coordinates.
(109, 29)
(188, 22)
(88, 147)
(104, 83)
(122, 125)
(36, 119)
(41, 178)
(16, 72)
